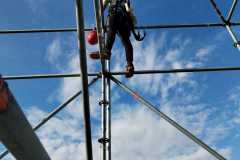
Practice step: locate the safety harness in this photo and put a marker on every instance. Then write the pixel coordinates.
(118, 7)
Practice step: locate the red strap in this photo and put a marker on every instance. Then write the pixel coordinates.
(4, 96)
(136, 95)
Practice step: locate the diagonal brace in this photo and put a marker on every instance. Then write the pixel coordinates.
(227, 23)
(231, 11)
(218, 11)
(168, 119)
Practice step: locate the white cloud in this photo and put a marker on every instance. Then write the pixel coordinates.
(202, 154)
(203, 53)
(35, 5)
(136, 134)
(153, 56)
(234, 98)
(139, 134)
(62, 136)
(54, 51)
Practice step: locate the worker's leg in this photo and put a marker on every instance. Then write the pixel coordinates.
(125, 38)
(111, 33)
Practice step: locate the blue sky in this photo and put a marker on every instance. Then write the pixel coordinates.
(205, 103)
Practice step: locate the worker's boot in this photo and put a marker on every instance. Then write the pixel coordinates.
(96, 55)
(129, 70)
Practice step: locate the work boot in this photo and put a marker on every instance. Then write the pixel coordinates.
(96, 55)
(129, 70)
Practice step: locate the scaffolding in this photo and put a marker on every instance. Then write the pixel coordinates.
(107, 76)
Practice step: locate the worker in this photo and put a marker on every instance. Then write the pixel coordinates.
(121, 21)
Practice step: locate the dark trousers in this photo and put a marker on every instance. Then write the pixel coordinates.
(118, 23)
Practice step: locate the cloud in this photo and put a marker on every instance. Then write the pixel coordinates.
(62, 54)
(203, 53)
(137, 133)
(54, 50)
(233, 97)
(62, 136)
(154, 55)
(35, 5)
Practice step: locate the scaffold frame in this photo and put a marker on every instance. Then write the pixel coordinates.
(107, 76)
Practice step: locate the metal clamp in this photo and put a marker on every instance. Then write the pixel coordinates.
(103, 140)
(236, 45)
(103, 102)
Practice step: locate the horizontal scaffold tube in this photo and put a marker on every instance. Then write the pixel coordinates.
(140, 72)
(160, 26)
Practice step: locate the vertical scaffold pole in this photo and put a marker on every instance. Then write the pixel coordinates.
(108, 98)
(99, 22)
(107, 106)
(84, 77)
(105, 101)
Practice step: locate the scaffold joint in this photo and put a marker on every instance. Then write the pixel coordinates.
(236, 45)
(106, 74)
(102, 102)
(103, 140)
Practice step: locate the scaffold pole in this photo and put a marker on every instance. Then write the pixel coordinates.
(84, 78)
(54, 112)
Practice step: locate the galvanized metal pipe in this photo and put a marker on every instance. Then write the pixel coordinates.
(108, 111)
(98, 8)
(41, 76)
(146, 27)
(218, 11)
(16, 132)
(230, 14)
(175, 71)
(186, 26)
(104, 119)
(84, 78)
(17, 31)
(139, 72)
(226, 22)
(233, 36)
(106, 95)
(168, 119)
(54, 113)
(98, 17)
